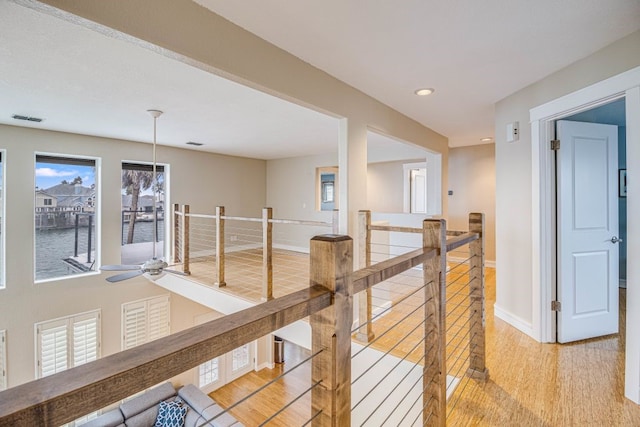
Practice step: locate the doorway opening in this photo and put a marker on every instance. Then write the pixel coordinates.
(590, 222)
(625, 85)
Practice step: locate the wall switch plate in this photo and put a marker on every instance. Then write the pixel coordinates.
(513, 132)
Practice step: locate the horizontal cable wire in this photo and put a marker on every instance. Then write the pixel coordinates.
(386, 353)
(388, 373)
(388, 330)
(312, 418)
(317, 383)
(258, 390)
(395, 388)
(387, 309)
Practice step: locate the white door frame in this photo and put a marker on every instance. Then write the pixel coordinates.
(542, 117)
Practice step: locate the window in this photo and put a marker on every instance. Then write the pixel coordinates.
(226, 368)
(3, 360)
(65, 216)
(144, 321)
(223, 369)
(67, 342)
(139, 194)
(326, 188)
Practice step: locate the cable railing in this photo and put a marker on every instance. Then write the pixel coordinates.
(405, 364)
(388, 312)
(244, 250)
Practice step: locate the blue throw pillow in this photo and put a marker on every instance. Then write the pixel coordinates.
(171, 414)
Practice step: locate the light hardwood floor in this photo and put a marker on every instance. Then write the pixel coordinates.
(530, 384)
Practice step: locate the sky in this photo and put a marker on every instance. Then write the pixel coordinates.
(50, 174)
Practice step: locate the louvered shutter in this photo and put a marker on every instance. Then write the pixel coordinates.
(86, 338)
(53, 348)
(134, 324)
(158, 318)
(3, 360)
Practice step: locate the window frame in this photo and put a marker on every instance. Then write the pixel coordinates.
(320, 187)
(166, 227)
(97, 205)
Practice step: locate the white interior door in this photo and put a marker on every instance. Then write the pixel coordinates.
(587, 230)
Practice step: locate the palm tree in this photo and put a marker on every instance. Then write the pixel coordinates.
(133, 181)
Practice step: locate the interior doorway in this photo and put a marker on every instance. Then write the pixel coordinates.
(590, 219)
(624, 85)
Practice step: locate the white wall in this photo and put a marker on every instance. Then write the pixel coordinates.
(514, 169)
(200, 179)
(176, 29)
(472, 178)
(291, 192)
(385, 186)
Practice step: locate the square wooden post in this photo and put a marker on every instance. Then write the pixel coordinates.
(365, 310)
(332, 267)
(220, 282)
(175, 233)
(477, 367)
(435, 372)
(185, 239)
(267, 254)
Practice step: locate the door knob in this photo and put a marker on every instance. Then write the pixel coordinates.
(615, 239)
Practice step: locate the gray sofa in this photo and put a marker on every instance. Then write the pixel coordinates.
(142, 410)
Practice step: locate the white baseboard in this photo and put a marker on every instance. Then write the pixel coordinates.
(265, 365)
(291, 248)
(515, 321)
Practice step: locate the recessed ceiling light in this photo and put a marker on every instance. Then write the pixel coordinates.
(27, 118)
(197, 144)
(487, 139)
(425, 91)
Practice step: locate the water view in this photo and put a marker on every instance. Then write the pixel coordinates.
(53, 246)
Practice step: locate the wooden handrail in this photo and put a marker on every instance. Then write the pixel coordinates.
(63, 397)
(367, 277)
(461, 240)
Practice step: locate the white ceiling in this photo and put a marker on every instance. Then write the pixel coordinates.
(473, 53)
(84, 82)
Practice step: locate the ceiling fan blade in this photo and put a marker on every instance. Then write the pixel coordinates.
(179, 273)
(118, 267)
(124, 276)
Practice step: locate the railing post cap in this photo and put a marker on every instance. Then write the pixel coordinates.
(331, 238)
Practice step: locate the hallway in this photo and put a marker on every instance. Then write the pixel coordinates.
(533, 384)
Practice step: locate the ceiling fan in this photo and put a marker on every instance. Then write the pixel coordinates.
(153, 266)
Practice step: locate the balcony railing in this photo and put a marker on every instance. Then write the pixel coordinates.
(418, 353)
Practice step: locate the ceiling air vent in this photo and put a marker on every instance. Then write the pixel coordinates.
(27, 118)
(196, 144)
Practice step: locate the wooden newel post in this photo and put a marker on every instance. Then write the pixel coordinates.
(219, 282)
(332, 267)
(176, 233)
(185, 239)
(267, 254)
(477, 367)
(365, 311)
(435, 372)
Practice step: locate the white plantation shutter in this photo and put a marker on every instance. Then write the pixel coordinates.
(144, 321)
(158, 318)
(85, 339)
(3, 360)
(53, 347)
(67, 342)
(134, 324)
